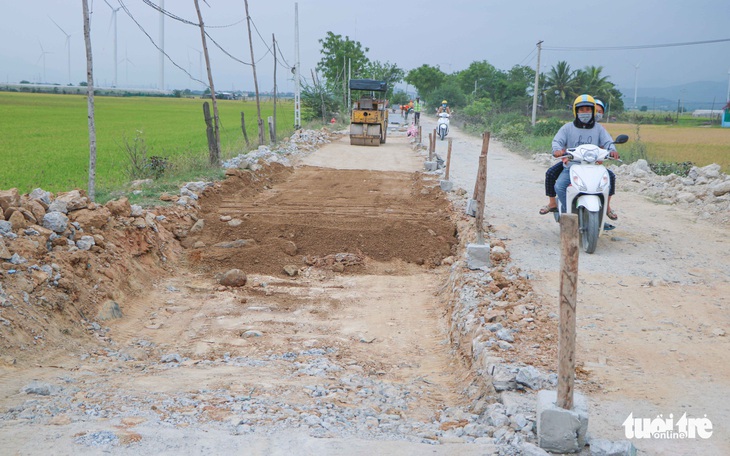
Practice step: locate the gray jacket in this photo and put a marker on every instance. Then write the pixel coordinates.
(569, 136)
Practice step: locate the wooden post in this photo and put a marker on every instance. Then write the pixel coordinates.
(272, 135)
(430, 147)
(448, 160)
(568, 293)
(214, 152)
(482, 186)
(419, 135)
(255, 80)
(243, 127)
(210, 132)
(485, 149)
(273, 127)
(433, 145)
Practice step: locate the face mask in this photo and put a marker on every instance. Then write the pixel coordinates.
(585, 117)
(599, 116)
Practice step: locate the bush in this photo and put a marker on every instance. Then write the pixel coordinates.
(547, 127)
(513, 132)
(665, 169)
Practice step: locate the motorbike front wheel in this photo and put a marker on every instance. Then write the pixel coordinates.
(442, 133)
(589, 227)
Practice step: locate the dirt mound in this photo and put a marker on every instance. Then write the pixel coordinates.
(308, 215)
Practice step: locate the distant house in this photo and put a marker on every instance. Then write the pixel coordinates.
(225, 96)
(707, 113)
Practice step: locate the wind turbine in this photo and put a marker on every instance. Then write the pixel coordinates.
(200, 61)
(126, 68)
(114, 18)
(636, 82)
(68, 47)
(43, 57)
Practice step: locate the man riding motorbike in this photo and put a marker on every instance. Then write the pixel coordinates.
(582, 130)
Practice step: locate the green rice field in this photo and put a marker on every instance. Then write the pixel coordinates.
(44, 140)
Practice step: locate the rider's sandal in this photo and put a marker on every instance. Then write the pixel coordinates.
(611, 214)
(547, 209)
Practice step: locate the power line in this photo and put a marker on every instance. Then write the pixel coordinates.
(186, 21)
(126, 10)
(643, 46)
(528, 55)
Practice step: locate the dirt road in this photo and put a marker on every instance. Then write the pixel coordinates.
(350, 345)
(653, 301)
(349, 352)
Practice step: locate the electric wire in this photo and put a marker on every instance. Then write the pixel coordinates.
(528, 56)
(129, 13)
(186, 21)
(624, 48)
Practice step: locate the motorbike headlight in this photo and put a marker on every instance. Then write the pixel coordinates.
(578, 182)
(603, 182)
(590, 156)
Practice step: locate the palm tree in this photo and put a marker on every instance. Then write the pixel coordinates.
(591, 81)
(560, 84)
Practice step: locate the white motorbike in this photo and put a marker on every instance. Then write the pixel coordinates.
(587, 194)
(442, 127)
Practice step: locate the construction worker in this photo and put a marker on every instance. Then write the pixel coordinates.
(417, 110)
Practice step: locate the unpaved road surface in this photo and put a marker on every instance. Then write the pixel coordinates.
(352, 355)
(349, 355)
(653, 311)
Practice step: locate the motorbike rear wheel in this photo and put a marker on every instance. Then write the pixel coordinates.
(589, 228)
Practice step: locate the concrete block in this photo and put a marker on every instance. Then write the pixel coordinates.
(602, 447)
(477, 256)
(560, 430)
(430, 166)
(471, 207)
(447, 185)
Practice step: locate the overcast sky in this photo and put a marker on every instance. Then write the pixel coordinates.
(447, 33)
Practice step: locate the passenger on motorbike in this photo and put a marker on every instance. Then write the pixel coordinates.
(582, 130)
(551, 176)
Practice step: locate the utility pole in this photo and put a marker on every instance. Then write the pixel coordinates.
(214, 153)
(162, 45)
(537, 82)
(297, 81)
(636, 83)
(90, 101)
(255, 81)
(273, 39)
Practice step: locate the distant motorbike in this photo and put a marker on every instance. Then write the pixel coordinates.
(587, 194)
(442, 127)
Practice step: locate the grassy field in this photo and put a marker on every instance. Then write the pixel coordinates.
(667, 143)
(44, 139)
(664, 143)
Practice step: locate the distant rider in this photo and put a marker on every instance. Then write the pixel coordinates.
(443, 108)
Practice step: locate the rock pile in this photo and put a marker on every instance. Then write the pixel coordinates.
(705, 192)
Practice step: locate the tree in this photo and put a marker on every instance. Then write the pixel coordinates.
(479, 79)
(340, 55)
(425, 79)
(388, 72)
(560, 85)
(591, 81)
(449, 91)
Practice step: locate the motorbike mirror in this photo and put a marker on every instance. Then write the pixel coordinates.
(621, 139)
